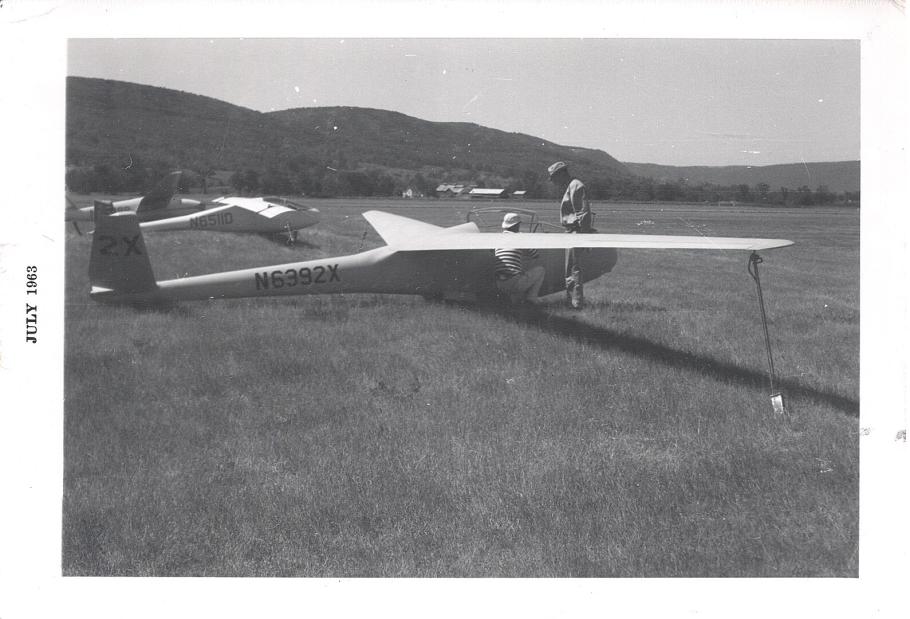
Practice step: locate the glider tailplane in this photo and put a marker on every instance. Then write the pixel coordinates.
(161, 194)
(119, 263)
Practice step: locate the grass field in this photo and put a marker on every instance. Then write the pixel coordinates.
(367, 435)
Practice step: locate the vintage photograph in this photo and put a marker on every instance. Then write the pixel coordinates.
(450, 307)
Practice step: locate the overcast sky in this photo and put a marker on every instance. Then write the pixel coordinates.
(669, 101)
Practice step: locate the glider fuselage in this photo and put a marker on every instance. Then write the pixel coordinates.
(175, 207)
(234, 214)
(461, 275)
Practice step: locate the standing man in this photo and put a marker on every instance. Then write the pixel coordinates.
(520, 284)
(575, 216)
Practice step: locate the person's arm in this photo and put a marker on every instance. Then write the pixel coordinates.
(566, 210)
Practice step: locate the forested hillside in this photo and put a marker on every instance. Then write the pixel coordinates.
(313, 150)
(123, 137)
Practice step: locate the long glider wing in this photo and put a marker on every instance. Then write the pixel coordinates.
(399, 233)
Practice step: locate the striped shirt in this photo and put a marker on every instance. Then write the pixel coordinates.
(509, 261)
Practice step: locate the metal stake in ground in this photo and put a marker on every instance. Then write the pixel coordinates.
(777, 398)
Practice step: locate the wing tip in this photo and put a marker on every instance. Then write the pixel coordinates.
(773, 244)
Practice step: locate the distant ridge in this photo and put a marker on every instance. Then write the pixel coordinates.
(838, 176)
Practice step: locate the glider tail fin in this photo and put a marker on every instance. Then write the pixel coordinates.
(161, 194)
(119, 263)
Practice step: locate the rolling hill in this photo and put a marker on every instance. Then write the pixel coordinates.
(110, 122)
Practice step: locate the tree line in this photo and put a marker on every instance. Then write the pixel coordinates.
(646, 189)
(326, 181)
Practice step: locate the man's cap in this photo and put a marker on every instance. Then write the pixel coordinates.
(556, 167)
(511, 219)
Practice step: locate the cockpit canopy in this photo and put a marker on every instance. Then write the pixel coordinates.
(279, 201)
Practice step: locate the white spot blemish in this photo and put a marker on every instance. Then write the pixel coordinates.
(297, 89)
(821, 100)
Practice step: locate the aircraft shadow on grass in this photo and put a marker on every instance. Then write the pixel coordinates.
(608, 339)
(299, 242)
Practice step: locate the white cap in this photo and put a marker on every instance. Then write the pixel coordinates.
(556, 167)
(510, 220)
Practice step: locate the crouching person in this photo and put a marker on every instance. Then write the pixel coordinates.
(522, 285)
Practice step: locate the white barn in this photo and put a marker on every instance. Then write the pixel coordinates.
(481, 192)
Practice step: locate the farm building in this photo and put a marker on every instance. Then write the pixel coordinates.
(480, 193)
(451, 190)
(521, 193)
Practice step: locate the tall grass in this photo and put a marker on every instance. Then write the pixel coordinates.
(369, 435)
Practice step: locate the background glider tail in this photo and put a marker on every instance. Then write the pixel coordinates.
(73, 213)
(119, 261)
(161, 194)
